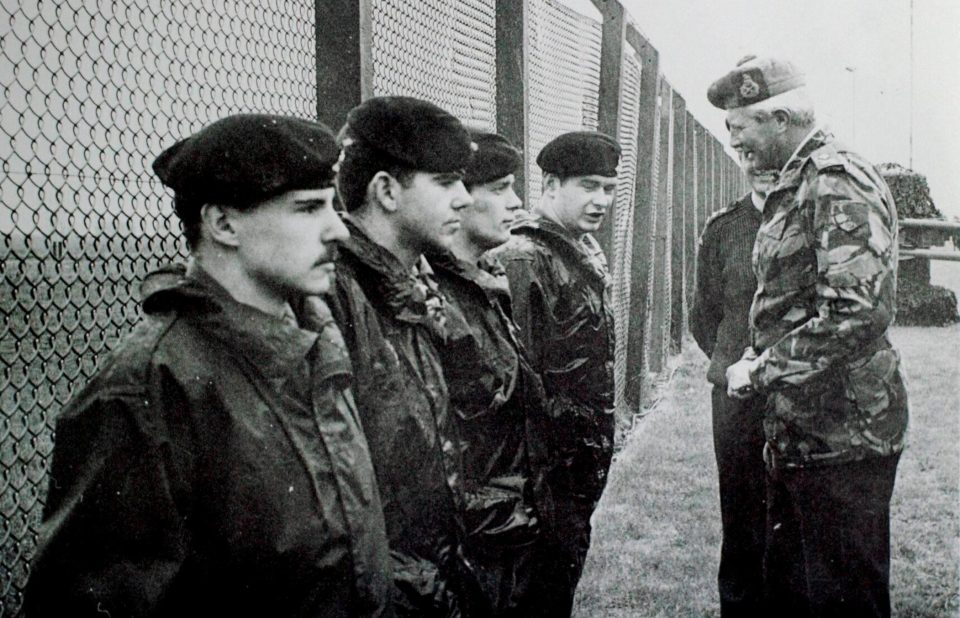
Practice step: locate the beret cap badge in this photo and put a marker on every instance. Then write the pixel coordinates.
(749, 88)
(753, 80)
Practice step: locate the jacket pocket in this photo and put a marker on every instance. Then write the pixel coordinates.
(870, 382)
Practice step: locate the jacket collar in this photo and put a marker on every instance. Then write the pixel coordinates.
(488, 273)
(575, 248)
(792, 171)
(410, 295)
(276, 347)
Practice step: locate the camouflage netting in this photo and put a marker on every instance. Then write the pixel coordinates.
(910, 191)
(918, 302)
(922, 304)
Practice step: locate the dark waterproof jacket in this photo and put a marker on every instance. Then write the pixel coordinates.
(561, 302)
(497, 401)
(214, 466)
(392, 321)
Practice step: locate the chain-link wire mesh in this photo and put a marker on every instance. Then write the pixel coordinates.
(443, 51)
(92, 91)
(563, 51)
(620, 262)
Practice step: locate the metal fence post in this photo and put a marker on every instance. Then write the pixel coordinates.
(691, 223)
(608, 114)
(717, 175)
(512, 102)
(639, 301)
(677, 227)
(344, 66)
(660, 312)
(709, 177)
(701, 155)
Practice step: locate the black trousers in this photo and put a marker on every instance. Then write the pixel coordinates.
(828, 539)
(738, 444)
(558, 561)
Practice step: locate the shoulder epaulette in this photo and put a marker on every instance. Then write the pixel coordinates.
(730, 208)
(827, 156)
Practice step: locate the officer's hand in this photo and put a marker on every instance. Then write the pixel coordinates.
(738, 379)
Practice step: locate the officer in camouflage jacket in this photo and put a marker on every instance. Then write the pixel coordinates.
(826, 260)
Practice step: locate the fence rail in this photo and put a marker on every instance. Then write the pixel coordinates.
(930, 224)
(92, 91)
(948, 256)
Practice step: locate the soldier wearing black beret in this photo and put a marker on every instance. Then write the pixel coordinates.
(216, 464)
(495, 396)
(401, 181)
(561, 302)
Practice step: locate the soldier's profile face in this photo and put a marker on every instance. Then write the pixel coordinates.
(487, 221)
(287, 244)
(429, 209)
(582, 201)
(754, 140)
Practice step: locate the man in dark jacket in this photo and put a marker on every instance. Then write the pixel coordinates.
(215, 465)
(494, 394)
(836, 418)
(561, 302)
(719, 322)
(401, 184)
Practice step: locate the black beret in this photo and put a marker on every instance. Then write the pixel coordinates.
(414, 132)
(495, 158)
(581, 153)
(754, 80)
(248, 158)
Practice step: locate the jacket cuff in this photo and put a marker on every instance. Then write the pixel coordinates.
(756, 370)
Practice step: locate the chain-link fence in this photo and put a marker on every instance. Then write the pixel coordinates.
(441, 51)
(93, 90)
(563, 50)
(623, 214)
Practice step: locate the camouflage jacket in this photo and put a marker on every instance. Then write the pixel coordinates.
(826, 265)
(215, 465)
(392, 320)
(561, 302)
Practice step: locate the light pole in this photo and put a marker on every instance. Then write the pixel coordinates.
(911, 84)
(853, 104)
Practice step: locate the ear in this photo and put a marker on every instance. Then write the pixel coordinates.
(384, 189)
(551, 182)
(782, 118)
(219, 224)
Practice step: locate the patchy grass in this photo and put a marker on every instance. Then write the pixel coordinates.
(657, 532)
(925, 530)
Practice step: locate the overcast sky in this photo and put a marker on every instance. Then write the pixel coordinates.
(700, 40)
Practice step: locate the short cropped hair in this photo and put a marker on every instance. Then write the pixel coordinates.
(796, 103)
(359, 164)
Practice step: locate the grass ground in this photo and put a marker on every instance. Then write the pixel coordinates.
(657, 531)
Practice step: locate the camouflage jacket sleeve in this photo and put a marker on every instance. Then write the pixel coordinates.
(848, 217)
